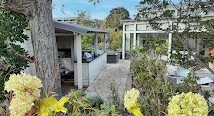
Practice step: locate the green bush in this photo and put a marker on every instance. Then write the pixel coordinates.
(12, 26)
(95, 101)
(149, 76)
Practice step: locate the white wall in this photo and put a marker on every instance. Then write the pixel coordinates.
(27, 45)
(67, 63)
(85, 74)
(96, 66)
(90, 70)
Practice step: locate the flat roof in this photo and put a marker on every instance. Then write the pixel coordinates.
(77, 28)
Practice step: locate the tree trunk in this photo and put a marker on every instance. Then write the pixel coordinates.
(44, 44)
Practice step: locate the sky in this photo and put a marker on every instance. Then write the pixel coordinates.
(68, 8)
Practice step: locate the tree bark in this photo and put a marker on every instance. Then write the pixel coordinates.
(39, 14)
(44, 44)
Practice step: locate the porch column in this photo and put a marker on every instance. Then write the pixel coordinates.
(96, 43)
(72, 53)
(78, 43)
(134, 39)
(75, 48)
(138, 39)
(123, 43)
(104, 43)
(169, 46)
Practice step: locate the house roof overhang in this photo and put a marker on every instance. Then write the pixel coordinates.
(76, 28)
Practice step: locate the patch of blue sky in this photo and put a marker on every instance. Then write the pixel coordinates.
(68, 8)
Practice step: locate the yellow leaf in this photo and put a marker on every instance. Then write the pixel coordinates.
(50, 105)
(59, 106)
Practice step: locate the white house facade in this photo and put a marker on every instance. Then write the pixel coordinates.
(135, 32)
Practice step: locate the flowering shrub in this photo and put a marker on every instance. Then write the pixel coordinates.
(26, 91)
(189, 104)
(131, 102)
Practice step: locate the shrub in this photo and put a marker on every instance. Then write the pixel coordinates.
(12, 26)
(95, 101)
(149, 77)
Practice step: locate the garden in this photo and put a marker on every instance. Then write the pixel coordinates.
(153, 93)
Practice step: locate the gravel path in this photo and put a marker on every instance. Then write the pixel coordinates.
(114, 75)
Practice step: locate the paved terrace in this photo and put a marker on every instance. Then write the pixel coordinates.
(116, 75)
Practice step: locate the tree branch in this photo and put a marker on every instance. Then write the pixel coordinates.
(195, 57)
(20, 6)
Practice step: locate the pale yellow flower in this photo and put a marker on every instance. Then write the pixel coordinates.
(131, 102)
(188, 104)
(26, 89)
(130, 98)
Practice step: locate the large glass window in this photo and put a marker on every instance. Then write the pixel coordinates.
(129, 27)
(129, 41)
(141, 39)
(141, 27)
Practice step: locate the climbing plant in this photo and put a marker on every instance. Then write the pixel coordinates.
(12, 56)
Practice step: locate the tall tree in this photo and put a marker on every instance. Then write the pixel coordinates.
(186, 20)
(39, 14)
(117, 14)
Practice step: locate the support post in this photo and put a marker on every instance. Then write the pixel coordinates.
(79, 60)
(104, 43)
(138, 39)
(72, 53)
(96, 44)
(169, 46)
(134, 38)
(123, 42)
(75, 48)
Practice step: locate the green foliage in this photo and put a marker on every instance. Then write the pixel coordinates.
(116, 42)
(184, 56)
(95, 101)
(87, 42)
(78, 104)
(12, 26)
(155, 87)
(84, 18)
(154, 46)
(100, 45)
(184, 19)
(149, 77)
(116, 14)
(115, 100)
